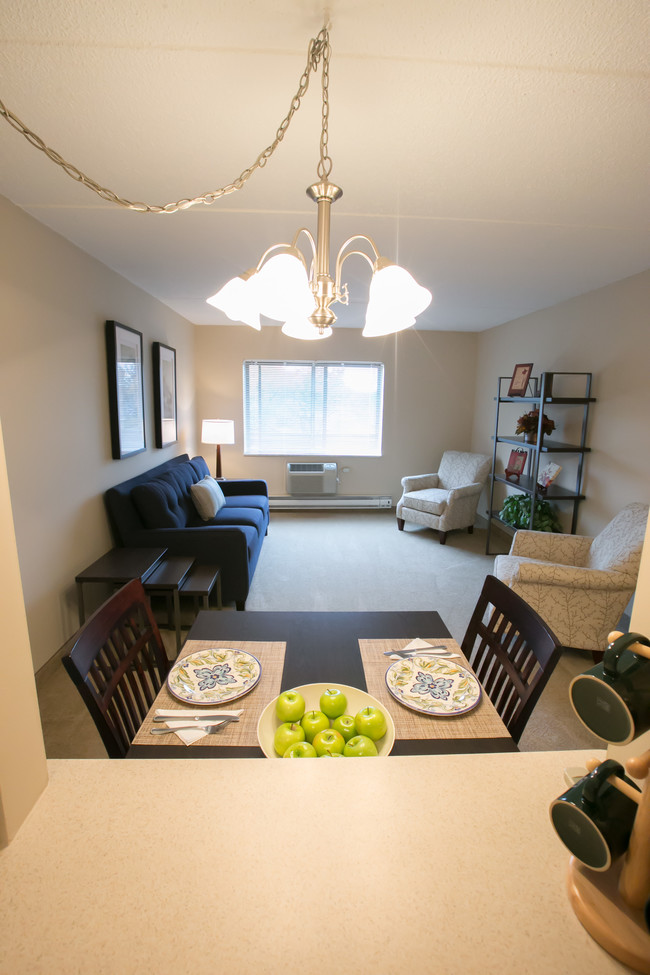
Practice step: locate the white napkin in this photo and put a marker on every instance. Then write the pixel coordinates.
(418, 644)
(189, 735)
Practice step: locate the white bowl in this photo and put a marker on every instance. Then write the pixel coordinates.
(269, 721)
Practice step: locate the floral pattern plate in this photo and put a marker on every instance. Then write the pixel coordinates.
(432, 685)
(214, 676)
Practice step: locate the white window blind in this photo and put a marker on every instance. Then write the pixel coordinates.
(332, 408)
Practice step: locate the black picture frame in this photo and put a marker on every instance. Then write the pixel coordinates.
(164, 395)
(520, 379)
(125, 390)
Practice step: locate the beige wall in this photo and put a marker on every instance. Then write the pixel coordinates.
(54, 409)
(428, 398)
(23, 771)
(604, 332)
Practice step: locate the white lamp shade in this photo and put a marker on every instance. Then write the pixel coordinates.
(218, 431)
(282, 288)
(395, 299)
(303, 329)
(238, 300)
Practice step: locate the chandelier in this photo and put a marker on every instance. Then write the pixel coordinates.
(284, 285)
(298, 291)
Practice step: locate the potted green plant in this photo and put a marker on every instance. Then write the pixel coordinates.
(529, 423)
(516, 512)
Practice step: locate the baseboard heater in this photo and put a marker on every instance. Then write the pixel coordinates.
(324, 502)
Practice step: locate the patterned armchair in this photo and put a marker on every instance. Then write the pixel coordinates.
(580, 586)
(447, 499)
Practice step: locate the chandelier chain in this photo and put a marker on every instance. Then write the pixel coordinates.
(319, 50)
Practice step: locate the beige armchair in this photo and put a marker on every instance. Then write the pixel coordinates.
(579, 585)
(448, 499)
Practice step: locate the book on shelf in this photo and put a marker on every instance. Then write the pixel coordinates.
(548, 474)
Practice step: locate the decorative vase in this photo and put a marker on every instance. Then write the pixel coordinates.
(530, 438)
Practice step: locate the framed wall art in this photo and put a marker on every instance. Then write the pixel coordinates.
(520, 377)
(125, 390)
(164, 394)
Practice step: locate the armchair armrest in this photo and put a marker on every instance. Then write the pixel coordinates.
(418, 482)
(570, 576)
(551, 547)
(466, 491)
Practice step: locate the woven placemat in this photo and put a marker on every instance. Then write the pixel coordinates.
(482, 722)
(242, 732)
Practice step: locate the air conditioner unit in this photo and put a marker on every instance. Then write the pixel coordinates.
(312, 479)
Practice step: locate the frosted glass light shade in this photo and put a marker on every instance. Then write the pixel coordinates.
(238, 300)
(218, 431)
(395, 300)
(282, 287)
(303, 329)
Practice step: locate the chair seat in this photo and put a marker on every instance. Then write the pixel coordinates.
(433, 500)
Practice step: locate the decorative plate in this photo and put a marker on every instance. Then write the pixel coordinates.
(214, 676)
(432, 685)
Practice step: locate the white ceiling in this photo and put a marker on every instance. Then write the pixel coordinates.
(497, 148)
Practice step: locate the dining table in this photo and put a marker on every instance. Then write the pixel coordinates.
(302, 648)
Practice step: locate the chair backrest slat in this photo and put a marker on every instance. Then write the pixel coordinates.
(118, 662)
(512, 652)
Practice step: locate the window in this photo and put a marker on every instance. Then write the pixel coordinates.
(330, 408)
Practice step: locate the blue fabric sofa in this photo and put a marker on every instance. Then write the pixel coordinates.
(156, 509)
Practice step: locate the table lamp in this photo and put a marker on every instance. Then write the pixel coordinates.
(218, 432)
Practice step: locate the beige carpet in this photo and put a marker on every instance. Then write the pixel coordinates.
(355, 561)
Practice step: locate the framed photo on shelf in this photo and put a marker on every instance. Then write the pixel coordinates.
(516, 465)
(164, 394)
(520, 377)
(125, 390)
(547, 475)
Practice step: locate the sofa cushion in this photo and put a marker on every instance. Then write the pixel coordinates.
(248, 501)
(159, 505)
(431, 500)
(207, 497)
(231, 515)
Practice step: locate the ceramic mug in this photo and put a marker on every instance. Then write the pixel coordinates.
(594, 819)
(613, 698)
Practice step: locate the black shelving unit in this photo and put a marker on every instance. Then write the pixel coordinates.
(541, 395)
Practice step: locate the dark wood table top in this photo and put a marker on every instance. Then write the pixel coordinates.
(122, 565)
(321, 647)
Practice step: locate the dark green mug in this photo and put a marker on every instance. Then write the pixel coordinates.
(594, 819)
(613, 698)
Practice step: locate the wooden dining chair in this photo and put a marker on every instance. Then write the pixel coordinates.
(118, 662)
(512, 652)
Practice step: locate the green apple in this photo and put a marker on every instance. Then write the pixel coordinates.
(328, 741)
(333, 702)
(331, 755)
(313, 722)
(287, 734)
(359, 747)
(300, 749)
(345, 726)
(370, 722)
(290, 706)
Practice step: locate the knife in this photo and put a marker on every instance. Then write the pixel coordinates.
(210, 718)
(437, 650)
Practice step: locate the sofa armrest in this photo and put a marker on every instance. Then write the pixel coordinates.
(244, 486)
(551, 547)
(418, 482)
(569, 576)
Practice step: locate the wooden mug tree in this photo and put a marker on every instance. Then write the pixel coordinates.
(611, 905)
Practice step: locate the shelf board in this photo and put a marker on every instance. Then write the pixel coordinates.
(547, 445)
(557, 400)
(553, 493)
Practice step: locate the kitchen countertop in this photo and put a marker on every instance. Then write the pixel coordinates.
(443, 863)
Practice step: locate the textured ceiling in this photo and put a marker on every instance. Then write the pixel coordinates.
(497, 148)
